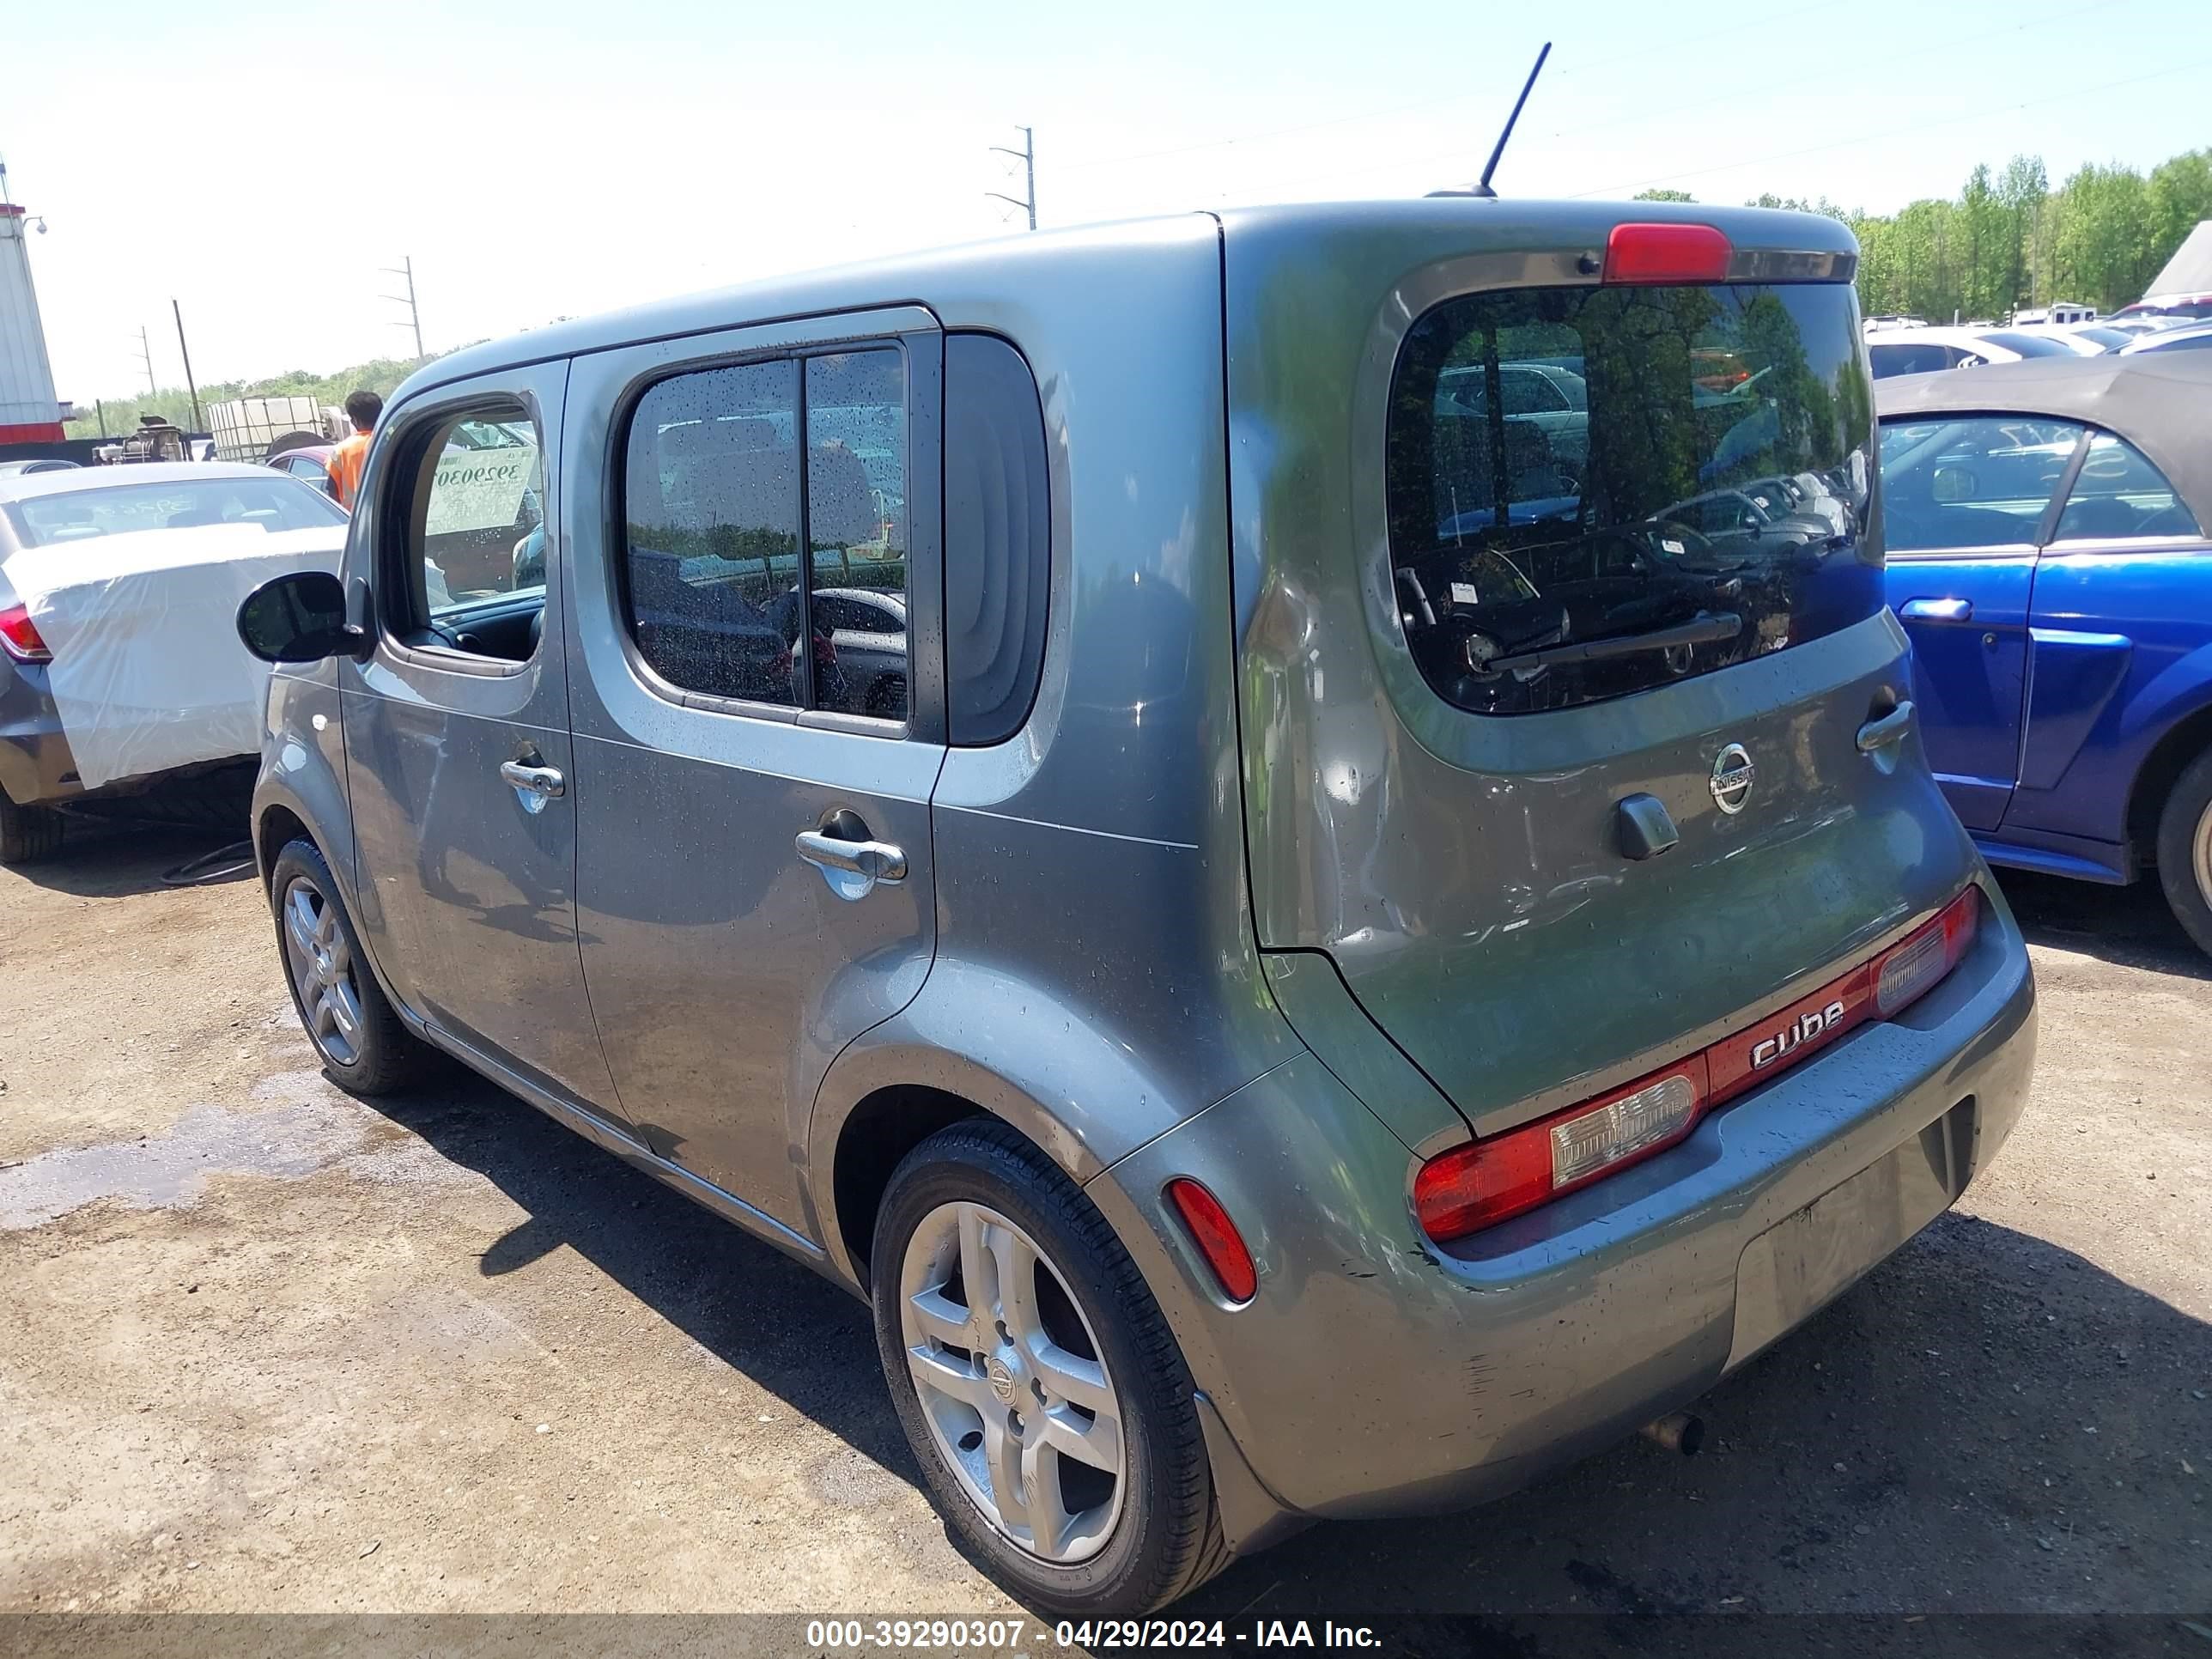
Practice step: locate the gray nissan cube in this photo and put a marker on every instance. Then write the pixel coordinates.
(1316, 940)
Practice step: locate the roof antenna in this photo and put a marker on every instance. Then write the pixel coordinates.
(1481, 186)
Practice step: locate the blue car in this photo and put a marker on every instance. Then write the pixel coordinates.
(2046, 531)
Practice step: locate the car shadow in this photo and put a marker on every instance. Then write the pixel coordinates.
(1988, 1421)
(103, 859)
(2130, 926)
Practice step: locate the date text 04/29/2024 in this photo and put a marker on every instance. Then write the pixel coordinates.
(1007, 1635)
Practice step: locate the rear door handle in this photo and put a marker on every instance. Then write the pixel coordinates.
(1953, 610)
(533, 786)
(1880, 733)
(852, 868)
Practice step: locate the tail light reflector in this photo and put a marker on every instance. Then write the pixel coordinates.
(1216, 1237)
(1916, 966)
(18, 638)
(1483, 1182)
(1645, 254)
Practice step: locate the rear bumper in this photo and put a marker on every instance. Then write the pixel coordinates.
(36, 762)
(1376, 1374)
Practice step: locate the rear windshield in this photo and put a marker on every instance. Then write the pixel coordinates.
(1696, 495)
(277, 502)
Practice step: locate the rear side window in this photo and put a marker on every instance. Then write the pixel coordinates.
(720, 494)
(997, 528)
(1702, 500)
(1970, 481)
(2118, 494)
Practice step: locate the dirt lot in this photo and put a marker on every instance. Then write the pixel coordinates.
(266, 1348)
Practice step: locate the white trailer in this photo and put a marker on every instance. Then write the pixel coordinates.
(244, 428)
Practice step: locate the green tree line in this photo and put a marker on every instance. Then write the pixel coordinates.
(174, 403)
(2009, 240)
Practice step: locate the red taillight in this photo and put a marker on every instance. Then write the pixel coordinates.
(1903, 976)
(1666, 253)
(18, 638)
(1216, 1237)
(1483, 1182)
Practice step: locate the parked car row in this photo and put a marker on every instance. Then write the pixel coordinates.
(1902, 346)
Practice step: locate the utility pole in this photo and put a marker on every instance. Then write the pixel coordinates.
(146, 358)
(406, 269)
(1027, 154)
(199, 424)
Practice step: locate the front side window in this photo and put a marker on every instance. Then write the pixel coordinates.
(2118, 495)
(1702, 501)
(719, 495)
(475, 525)
(1915, 357)
(1967, 481)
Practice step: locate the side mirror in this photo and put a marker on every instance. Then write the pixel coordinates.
(299, 617)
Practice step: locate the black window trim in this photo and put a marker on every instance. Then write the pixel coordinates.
(923, 405)
(2064, 499)
(398, 485)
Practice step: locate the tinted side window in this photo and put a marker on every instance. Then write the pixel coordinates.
(2118, 493)
(997, 534)
(719, 495)
(711, 523)
(1970, 481)
(1917, 358)
(856, 433)
(478, 502)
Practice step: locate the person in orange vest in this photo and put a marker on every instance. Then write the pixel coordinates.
(362, 408)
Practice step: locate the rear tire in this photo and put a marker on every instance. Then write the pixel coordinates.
(358, 1034)
(28, 834)
(1116, 1542)
(2184, 849)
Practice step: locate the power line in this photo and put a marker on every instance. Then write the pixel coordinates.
(197, 423)
(406, 269)
(146, 359)
(2071, 93)
(1641, 57)
(1027, 155)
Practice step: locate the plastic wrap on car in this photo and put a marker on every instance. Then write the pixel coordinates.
(148, 673)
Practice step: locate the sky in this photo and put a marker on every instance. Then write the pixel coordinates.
(260, 165)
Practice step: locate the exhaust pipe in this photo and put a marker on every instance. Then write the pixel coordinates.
(1679, 1431)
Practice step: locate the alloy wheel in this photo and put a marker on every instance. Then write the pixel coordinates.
(322, 965)
(2200, 854)
(1012, 1382)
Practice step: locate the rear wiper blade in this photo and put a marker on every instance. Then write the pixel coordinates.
(1706, 628)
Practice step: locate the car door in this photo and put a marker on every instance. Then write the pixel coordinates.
(456, 740)
(2120, 593)
(754, 876)
(1965, 501)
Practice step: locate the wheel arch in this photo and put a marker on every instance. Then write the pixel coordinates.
(2180, 743)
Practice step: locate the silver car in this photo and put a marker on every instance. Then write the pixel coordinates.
(1357, 962)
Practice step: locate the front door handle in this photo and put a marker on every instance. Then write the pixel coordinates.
(851, 867)
(533, 786)
(1880, 733)
(1950, 611)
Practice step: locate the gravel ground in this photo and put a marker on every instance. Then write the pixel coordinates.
(269, 1349)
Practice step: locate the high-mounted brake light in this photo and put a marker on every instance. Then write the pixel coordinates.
(1483, 1182)
(19, 637)
(1216, 1237)
(1639, 253)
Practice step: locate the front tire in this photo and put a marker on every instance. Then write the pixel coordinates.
(358, 1034)
(1037, 1381)
(2184, 849)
